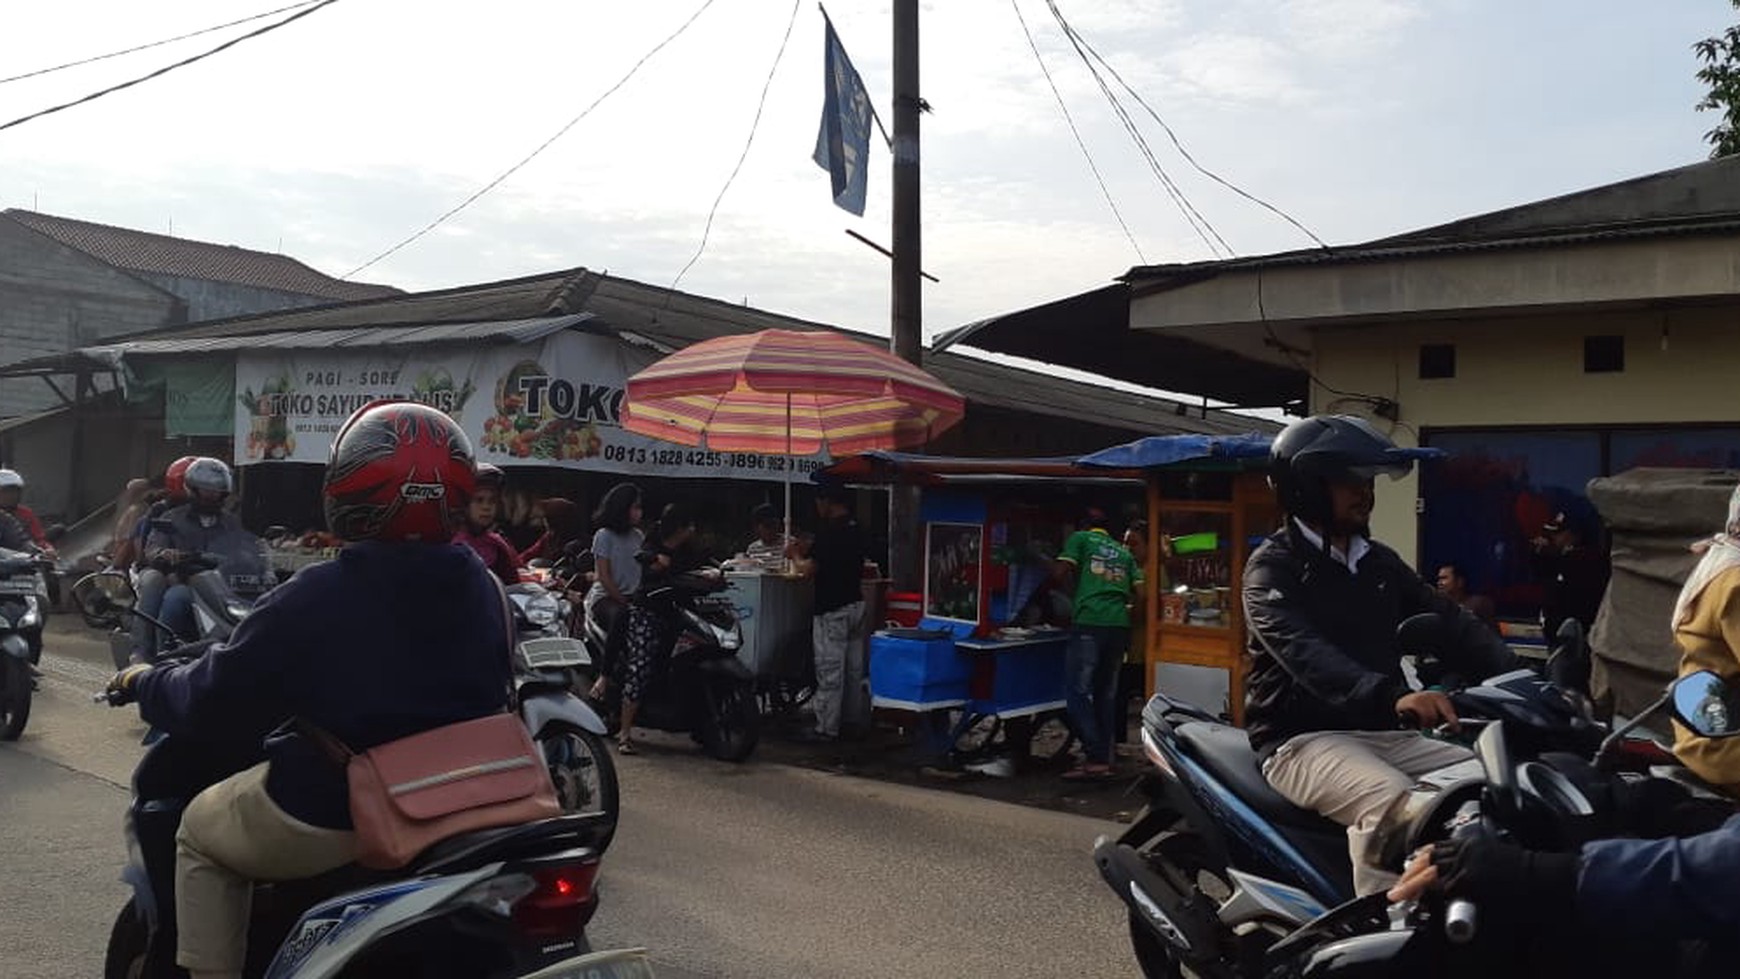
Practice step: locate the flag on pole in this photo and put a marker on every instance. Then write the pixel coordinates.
(843, 142)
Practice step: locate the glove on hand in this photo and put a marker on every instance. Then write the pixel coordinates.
(1506, 882)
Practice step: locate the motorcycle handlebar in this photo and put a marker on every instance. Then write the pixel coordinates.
(1460, 921)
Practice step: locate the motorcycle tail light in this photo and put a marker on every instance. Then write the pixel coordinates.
(561, 902)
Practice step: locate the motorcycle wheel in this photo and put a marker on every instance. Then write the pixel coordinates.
(15, 684)
(583, 772)
(129, 940)
(732, 727)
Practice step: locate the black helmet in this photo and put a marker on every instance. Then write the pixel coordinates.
(490, 476)
(1312, 451)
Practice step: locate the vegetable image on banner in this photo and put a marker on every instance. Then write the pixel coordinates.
(534, 418)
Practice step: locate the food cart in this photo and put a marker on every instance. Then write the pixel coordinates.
(983, 653)
(1207, 505)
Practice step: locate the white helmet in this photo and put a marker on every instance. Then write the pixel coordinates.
(9, 479)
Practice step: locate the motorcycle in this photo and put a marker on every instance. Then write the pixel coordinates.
(702, 688)
(506, 902)
(224, 583)
(23, 606)
(1219, 866)
(548, 666)
(1527, 802)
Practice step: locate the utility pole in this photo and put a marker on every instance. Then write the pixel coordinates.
(905, 341)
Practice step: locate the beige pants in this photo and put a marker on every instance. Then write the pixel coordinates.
(1353, 777)
(231, 835)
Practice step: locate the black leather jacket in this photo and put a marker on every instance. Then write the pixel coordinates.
(1322, 639)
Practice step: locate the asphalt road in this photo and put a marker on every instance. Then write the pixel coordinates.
(757, 870)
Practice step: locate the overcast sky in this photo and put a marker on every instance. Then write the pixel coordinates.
(342, 133)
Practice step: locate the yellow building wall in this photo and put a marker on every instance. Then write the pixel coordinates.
(1681, 366)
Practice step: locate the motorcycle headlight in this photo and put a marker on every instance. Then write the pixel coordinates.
(542, 610)
(32, 616)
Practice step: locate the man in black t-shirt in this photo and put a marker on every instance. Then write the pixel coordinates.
(834, 557)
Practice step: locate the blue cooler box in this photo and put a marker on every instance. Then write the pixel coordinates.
(917, 673)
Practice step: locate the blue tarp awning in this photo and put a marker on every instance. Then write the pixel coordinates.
(1169, 450)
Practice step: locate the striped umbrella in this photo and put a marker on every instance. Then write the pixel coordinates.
(791, 393)
(786, 392)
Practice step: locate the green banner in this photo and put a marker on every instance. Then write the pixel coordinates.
(198, 393)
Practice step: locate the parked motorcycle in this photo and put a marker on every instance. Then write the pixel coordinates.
(1219, 866)
(506, 902)
(702, 687)
(23, 607)
(549, 665)
(1526, 802)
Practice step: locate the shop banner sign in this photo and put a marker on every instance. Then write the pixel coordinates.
(557, 402)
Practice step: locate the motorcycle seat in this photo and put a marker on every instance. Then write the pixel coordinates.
(510, 842)
(1226, 752)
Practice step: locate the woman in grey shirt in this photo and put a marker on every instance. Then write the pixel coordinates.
(617, 573)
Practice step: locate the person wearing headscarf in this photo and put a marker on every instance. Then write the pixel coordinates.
(563, 523)
(1706, 625)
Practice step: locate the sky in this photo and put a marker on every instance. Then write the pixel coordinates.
(344, 132)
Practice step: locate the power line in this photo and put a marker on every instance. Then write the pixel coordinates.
(546, 144)
(153, 44)
(21, 120)
(1104, 191)
(1194, 217)
(1179, 145)
(754, 124)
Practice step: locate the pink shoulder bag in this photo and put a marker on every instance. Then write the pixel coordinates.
(409, 794)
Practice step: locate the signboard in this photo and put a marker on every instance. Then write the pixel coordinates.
(557, 402)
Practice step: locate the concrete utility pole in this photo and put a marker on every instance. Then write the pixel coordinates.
(905, 549)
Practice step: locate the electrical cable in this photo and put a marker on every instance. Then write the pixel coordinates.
(153, 44)
(1176, 142)
(1197, 221)
(1104, 191)
(546, 144)
(754, 124)
(21, 120)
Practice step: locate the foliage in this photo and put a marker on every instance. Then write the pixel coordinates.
(1720, 57)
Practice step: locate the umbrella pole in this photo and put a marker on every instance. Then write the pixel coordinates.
(788, 465)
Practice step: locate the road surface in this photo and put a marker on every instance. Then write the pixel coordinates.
(722, 871)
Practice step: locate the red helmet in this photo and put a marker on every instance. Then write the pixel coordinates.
(175, 478)
(398, 471)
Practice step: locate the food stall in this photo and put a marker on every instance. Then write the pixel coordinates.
(991, 529)
(1209, 505)
(987, 644)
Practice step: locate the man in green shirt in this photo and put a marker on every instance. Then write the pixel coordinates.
(1106, 579)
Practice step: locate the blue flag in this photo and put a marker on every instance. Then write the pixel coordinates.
(843, 143)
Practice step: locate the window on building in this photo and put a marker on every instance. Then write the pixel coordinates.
(1437, 361)
(1603, 354)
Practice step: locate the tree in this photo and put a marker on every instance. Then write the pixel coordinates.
(1721, 71)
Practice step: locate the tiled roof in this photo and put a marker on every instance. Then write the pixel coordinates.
(143, 251)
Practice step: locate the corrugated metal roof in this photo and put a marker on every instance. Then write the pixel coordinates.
(504, 331)
(143, 251)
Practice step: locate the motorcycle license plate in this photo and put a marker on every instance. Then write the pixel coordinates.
(18, 586)
(629, 963)
(554, 653)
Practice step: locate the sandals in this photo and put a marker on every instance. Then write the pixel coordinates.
(624, 746)
(1089, 773)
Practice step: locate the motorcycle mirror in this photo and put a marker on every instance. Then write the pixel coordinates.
(540, 563)
(1423, 635)
(103, 597)
(54, 532)
(1703, 702)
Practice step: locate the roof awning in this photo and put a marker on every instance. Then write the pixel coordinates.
(1091, 332)
(1118, 464)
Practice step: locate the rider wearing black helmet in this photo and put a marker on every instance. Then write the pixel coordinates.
(1326, 693)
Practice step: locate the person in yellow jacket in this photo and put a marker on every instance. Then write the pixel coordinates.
(1707, 626)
